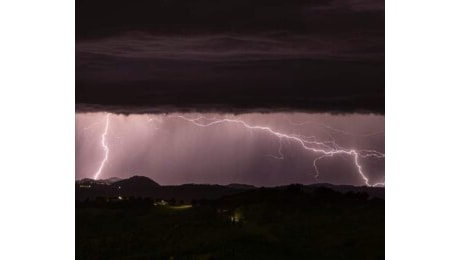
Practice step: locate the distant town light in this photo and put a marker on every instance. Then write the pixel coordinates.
(180, 207)
(161, 203)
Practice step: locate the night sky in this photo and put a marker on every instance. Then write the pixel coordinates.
(269, 63)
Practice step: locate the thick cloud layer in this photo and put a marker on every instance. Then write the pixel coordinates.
(108, 17)
(230, 56)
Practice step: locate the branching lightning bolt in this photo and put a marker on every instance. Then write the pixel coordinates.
(104, 146)
(340, 131)
(324, 149)
(280, 152)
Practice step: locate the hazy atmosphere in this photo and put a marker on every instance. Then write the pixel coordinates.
(201, 148)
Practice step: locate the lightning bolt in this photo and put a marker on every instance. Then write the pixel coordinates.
(280, 152)
(104, 146)
(323, 149)
(340, 131)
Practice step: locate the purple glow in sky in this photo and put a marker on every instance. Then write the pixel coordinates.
(260, 149)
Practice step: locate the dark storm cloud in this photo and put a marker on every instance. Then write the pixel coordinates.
(96, 19)
(230, 56)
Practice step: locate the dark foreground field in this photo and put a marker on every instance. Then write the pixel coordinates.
(262, 223)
